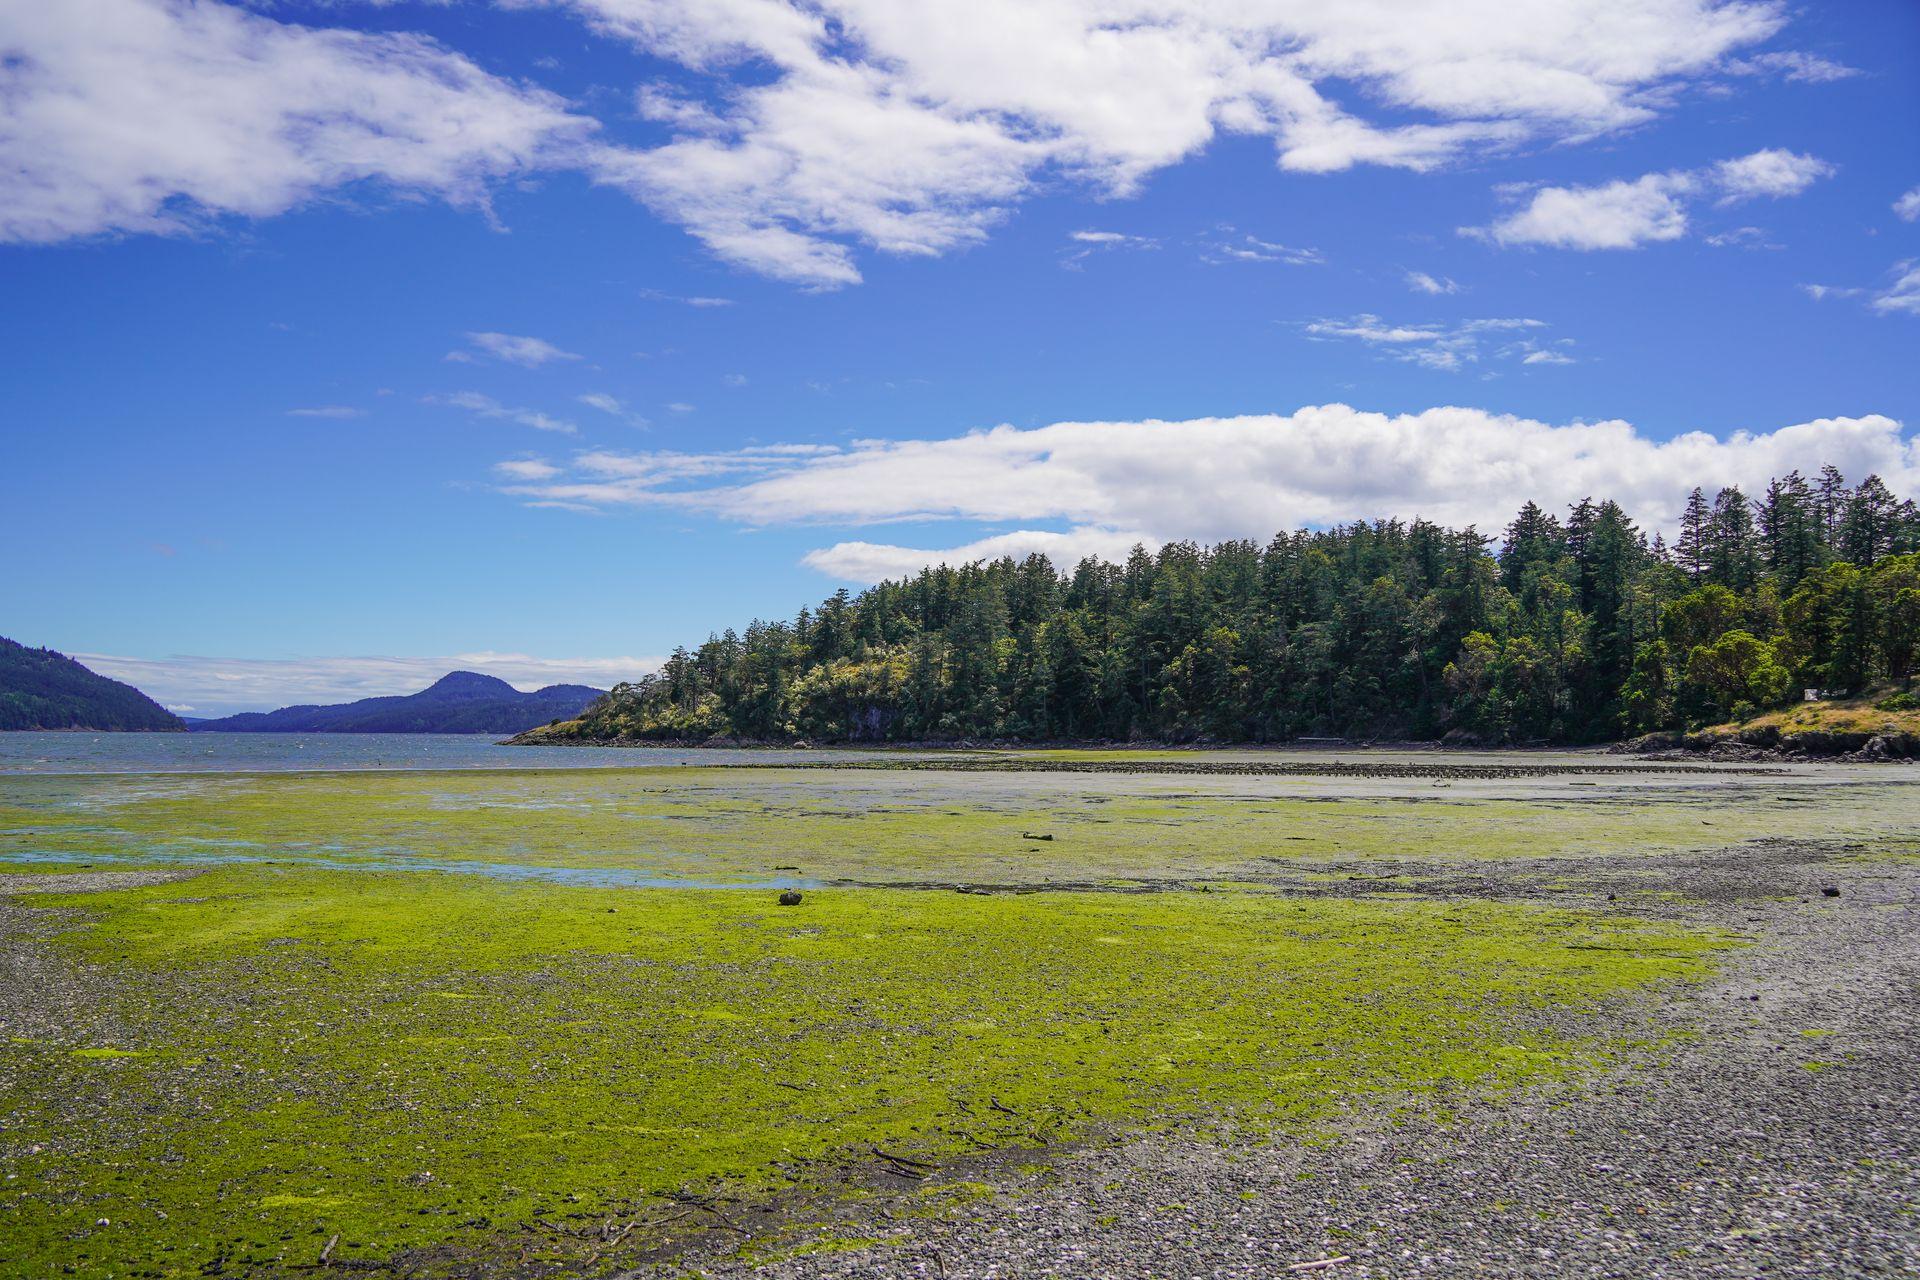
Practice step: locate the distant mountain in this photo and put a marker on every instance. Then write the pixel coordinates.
(463, 702)
(41, 689)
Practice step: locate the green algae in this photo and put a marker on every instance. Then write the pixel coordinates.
(305, 1073)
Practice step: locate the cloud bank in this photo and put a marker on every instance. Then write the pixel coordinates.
(797, 132)
(1075, 487)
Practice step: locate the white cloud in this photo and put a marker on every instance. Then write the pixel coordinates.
(1808, 68)
(527, 352)
(1899, 294)
(865, 562)
(150, 116)
(1742, 238)
(326, 411)
(1627, 213)
(804, 130)
(1775, 173)
(223, 686)
(1446, 347)
(612, 407)
(1249, 248)
(1084, 244)
(1907, 207)
(487, 407)
(695, 301)
(1421, 282)
(825, 125)
(1615, 215)
(1213, 478)
(526, 469)
(1904, 293)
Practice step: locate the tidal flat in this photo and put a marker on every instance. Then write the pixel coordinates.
(553, 1022)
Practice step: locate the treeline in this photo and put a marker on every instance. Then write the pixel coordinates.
(1571, 630)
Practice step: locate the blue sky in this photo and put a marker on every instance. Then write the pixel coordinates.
(544, 337)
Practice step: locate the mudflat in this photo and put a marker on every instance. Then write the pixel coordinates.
(1035, 1013)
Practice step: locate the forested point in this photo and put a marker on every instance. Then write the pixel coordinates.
(1574, 631)
(41, 689)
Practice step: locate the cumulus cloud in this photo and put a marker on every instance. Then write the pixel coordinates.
(485, 406)
(223, 686)
(1447, 347)
(1614, 215)
(1627, 213)
(156, 116)
(1773, 173)
(529, 353)
(821, 126)
(800, 132)
(1907, 207)
(1213, 478)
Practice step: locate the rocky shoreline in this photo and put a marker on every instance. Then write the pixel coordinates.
(1768, 742)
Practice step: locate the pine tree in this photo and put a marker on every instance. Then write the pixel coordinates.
(1690, 549)
(1790, 530)
(1869, 523)
(1733, 552)
(1829, 504)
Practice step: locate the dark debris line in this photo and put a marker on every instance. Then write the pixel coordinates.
(1301, 769)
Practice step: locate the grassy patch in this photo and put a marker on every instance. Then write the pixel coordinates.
(302, 1070)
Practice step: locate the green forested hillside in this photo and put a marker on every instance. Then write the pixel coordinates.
(1574, 629)
(41, 689)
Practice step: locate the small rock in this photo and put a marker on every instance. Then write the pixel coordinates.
(790, 898)
(1831, 891)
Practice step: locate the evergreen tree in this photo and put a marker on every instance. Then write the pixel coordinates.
(1691, 550)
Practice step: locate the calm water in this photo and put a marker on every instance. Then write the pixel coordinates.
(280, 752)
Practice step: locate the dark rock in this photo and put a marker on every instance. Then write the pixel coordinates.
(1831, 891)
(790, 898)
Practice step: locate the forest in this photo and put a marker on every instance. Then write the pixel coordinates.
(1571, 629)
(41, 689)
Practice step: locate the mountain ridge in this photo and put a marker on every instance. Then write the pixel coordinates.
(43, 689)
(458, 702)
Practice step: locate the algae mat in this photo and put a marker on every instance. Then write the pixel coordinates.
(231, 1070)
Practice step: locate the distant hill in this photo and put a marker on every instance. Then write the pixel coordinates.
(41, 689)
(462, 702)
